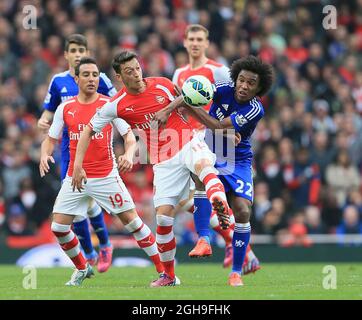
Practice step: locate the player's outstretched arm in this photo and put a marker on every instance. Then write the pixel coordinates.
(79, 174)
(161, 116)
(202, 116)
(46, 151)
(45, 120)
(125, 161)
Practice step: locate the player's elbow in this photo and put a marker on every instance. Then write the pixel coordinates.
(130, 138)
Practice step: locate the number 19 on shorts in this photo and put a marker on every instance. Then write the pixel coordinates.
(116, 200)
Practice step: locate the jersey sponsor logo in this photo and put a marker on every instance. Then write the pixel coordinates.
(129, 109)
(225, 106)
(64, 90)
(160, 99)
(66, 98)
(240, 120)
(219, 114)
(47, 98)
(239, 243)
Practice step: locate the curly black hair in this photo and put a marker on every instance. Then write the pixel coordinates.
(255, 65)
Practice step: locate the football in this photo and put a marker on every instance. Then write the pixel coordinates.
(197, 91)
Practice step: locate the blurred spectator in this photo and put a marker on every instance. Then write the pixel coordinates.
(342, 176)
(275, 218)
(2, 205)
(351, 224)
(322, 120)
(303, 179)
(271, 171)
(261, 203)
(313, 220)
(322, 151)
(355, 199)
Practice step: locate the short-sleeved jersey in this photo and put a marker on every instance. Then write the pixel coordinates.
(99, 159)
(139, 110)
(244, 118)
(63, 87)
(212, 70)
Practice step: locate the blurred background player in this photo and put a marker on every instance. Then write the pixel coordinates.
(104, 183)
(61, 88)
(196, 42)
(173, 159)
(235, 106)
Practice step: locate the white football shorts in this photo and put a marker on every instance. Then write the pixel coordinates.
(172, 177)
(109, 192)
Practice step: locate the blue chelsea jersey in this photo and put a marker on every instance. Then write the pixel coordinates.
(244, 118)
(63, 87)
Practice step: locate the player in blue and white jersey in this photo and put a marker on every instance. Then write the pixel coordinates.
(235, 107)
(61, 88)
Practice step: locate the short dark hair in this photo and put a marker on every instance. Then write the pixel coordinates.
(256, 65)
(196, 28)
(122, 57)
(84, 60)
(76, 38)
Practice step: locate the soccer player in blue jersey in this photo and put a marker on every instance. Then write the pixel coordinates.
(61, 88)
(235, 106)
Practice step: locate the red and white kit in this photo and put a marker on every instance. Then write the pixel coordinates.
(104, 184)
(173, 150)
(212, 70)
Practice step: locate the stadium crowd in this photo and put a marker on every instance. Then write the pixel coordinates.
(308, 148)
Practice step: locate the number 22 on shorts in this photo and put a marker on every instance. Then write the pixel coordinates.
(241, 188)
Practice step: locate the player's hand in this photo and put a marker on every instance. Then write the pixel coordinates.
(161, 118)
(43, 124)
(237, 138)
(79, 176)
(44, 165)
(125, 164)
(177, 89)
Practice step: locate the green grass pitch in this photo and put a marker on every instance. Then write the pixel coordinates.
(203, 281)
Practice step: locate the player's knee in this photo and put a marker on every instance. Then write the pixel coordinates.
(128, 216)
(241, 212)
(201, 165)
(58, 227)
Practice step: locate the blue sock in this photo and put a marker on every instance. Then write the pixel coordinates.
(81, 229)
(240, 242)
(100, 229)
(202, 214)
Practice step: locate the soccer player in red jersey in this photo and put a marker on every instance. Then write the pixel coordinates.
(104, 183)
(173, 149)
(196, 43)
